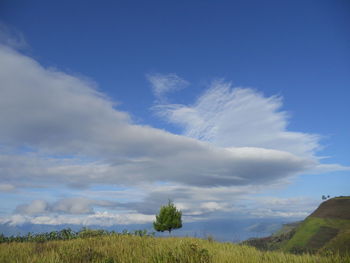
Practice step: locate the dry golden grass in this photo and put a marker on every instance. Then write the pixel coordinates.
(134, 249)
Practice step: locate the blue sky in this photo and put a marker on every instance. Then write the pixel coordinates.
(226, 107)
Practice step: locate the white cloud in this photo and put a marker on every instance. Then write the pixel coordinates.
(78, 205)
(229, 203)
(194, 201)
(325, 168)
(297, 207)
(200, 166)
(35, 207)
(73, 205)
(98, 218)
(12, 37)
(6, 187)
(111, 219)
(55, 114)
(239, 117)
(165, 83)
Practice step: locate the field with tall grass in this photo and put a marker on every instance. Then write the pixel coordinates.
(130, 248)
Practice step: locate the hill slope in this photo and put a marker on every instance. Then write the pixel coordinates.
(338, 207)
(326, 229)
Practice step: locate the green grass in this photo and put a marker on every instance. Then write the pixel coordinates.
(124, 249)
(342, 197)
(341, 243)
(287, 228)
(314, 226)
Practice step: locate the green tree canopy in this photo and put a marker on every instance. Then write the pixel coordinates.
(169, 218)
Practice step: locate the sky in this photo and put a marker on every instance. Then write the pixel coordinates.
(231, 109)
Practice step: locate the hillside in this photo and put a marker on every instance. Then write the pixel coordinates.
(326, 229)
(338, 207)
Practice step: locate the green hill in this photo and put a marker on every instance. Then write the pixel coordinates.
(326, 230)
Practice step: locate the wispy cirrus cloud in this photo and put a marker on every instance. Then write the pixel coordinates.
(162, 84)
(229, 116)
(10, 36)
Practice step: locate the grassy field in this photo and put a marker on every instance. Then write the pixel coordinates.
(124, 249)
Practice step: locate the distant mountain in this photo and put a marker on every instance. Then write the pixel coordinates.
(233, 230)
(326, 229)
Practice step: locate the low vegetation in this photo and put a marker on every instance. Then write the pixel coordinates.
(68, 234)
(121, 248)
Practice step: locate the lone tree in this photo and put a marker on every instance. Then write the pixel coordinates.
(169, 218)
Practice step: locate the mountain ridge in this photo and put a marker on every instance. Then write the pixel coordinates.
(326, 230)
